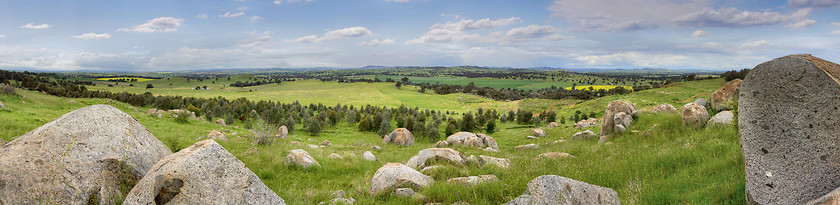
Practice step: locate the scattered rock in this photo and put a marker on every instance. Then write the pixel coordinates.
(404, 192)
(2, 106)
(296, 143)
(621, 121)
(694, 114)
(215, 135)
(538, 132)
(665, 107)
(250, 151)
(337, 201)
(616, 107)
(591, 122)
(702, 102)
(447, 154)
(339, 194)
(204, 173)
(40, 168)
(282, 132)
(584, 135)
(488, 160)
(552, 189)
(604, 139)
(302, 158)
(831, 198)
(531, 137)
(527, 146)
(221, 122)
(399, 136)
(557, 142)
(312, 146)
(152, 111)
(722, 118)
(473, 180)
(395, 175)
(788, 125)
(488, 141)
(553, 125)
(722, 98)
(236, 127)
(469, 139)
(440, 144)
(430, 168)
(471, 160)
(326, 143)
(459, 138)
(368, 156)
(335, 156)
(554, 155)
(376, 148)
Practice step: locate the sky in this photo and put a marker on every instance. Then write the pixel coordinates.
(156, 35)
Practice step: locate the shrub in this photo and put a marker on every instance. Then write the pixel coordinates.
(264, 131)
(182, 118)
(364, 125)
(491, 127)
(8, 89)
(432, 132)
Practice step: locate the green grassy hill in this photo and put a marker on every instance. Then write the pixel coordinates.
(669, 165)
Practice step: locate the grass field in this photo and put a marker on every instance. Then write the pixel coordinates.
(500, 83)
(598, 87)
(672, 165)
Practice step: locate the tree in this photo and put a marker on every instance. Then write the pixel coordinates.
(364, 125)
(384, 128)
(197, 87)
(149, 86)
(432, 132)
(351, 118)
(451, 128)
(398, 85)
(562, 120)
(551, 116)
(290, 123)
(537, 121)
(491, 127)
(313, 126)
(419, 128)
(467, 122)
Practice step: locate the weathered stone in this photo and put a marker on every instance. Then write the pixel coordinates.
(400, 136)
(527, 146)
(337, 201)
(488, 160)
(376, 148)
(788, 123)
(296, 143)
(613, 108)
(538, 132)
(722, 98)
(557, 142)
(90, 152)
(722, 118)
(2, 106)
(301, 158)
(474, 142)
(339, 194)
(221, 122)
(702, 102)
(326, 143)
(665, 107)
(553, 125)
(459, 138)
(469, 139)
(488, 141)
(395, 175)
(282, 132)
(430, 168)
(204, 173)
(694, 115)
(404, 192)
(214, 135)
(832, 198)
(368, 156)
(471, 160)
(552, 189)
(335, 156)
(554, 155)
(312, 146)
(473, 180)
(530, 137)
(447, 154)
(621, 122)
(584, 135)
(440, 144)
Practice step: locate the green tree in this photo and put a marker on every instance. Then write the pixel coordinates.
(313, 126)
(364, 125)
(451, 128)
(467, 122)
(537, 121)
(384, 128)
(290, 124)
(432, 132)
(149, 86)
(351, 118)
(490, 128)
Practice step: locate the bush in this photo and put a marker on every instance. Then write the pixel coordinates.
(432, 132)
(182, 118)
(491, 127)
(364, 125)
(264, 131)
(8, 89)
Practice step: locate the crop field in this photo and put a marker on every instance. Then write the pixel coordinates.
(126, 79)
(598, 87)
(671, 164)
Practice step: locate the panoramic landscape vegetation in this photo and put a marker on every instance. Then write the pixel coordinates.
(420, 102)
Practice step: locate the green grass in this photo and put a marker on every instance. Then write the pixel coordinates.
(672, 165)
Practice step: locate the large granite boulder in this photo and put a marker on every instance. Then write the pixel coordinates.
(694, 115)
(788, 120)
(722, 98)
(552, 189)
(538, 132)
(477, 140)
(221, 122)
(438, 154)
(488, 160)
(459, 138)
(395, 175)
(702, 102)
(584, 135)
(399, 136)
(722, 118)
(86, 155)
(204, 173)
(473, 180)
(621, 122)
(613, 108)
(665, 107)
(282, 132)
(301, 158)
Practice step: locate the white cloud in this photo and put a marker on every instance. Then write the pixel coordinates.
(201, 16)
(278, 2)
(33, 26)
(2, 36)
(699, 33)
(255, 18)
(332, 35)
(91, 36)
(231, 15)
(456, 31)
(543, 32)
(622, 15)
(263, 40)
(162, 24)
(470, 24)
(755, 44)
(633, 58)
(813, 3)
(242, 8)
(801, 24)
(376, 42)
(401, 1)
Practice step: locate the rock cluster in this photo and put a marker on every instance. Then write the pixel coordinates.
(469, 139)
(399, 136)
(591, 122)
(614, 120)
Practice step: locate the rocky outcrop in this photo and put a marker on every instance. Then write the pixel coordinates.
(282, 132)
(214, 135)
(221, 122)
(665, 107)
(368, 156)
(694, 115)
(440, 144)
(437, 154)
(538, 132)
(621, 122)
(722, 118)
(613, 108)
(584, 135)
(553, 125)
(335, 156)
(473, 180)
(722, 98)
(301, 158)
(399, 136)
(788, 123)
(469, 139)
(395, 175)
(552, 189)
(204, 173)
(326, 143)
(591, 122)
(86, 155)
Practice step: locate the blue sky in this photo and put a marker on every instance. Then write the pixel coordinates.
(189, 35)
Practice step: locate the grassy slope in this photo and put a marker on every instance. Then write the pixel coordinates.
(672, 165)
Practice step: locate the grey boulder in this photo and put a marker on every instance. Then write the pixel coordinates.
(552, 189)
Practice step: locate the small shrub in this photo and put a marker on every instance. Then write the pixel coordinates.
(264, 131)
(8, 89)
(182, 118)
